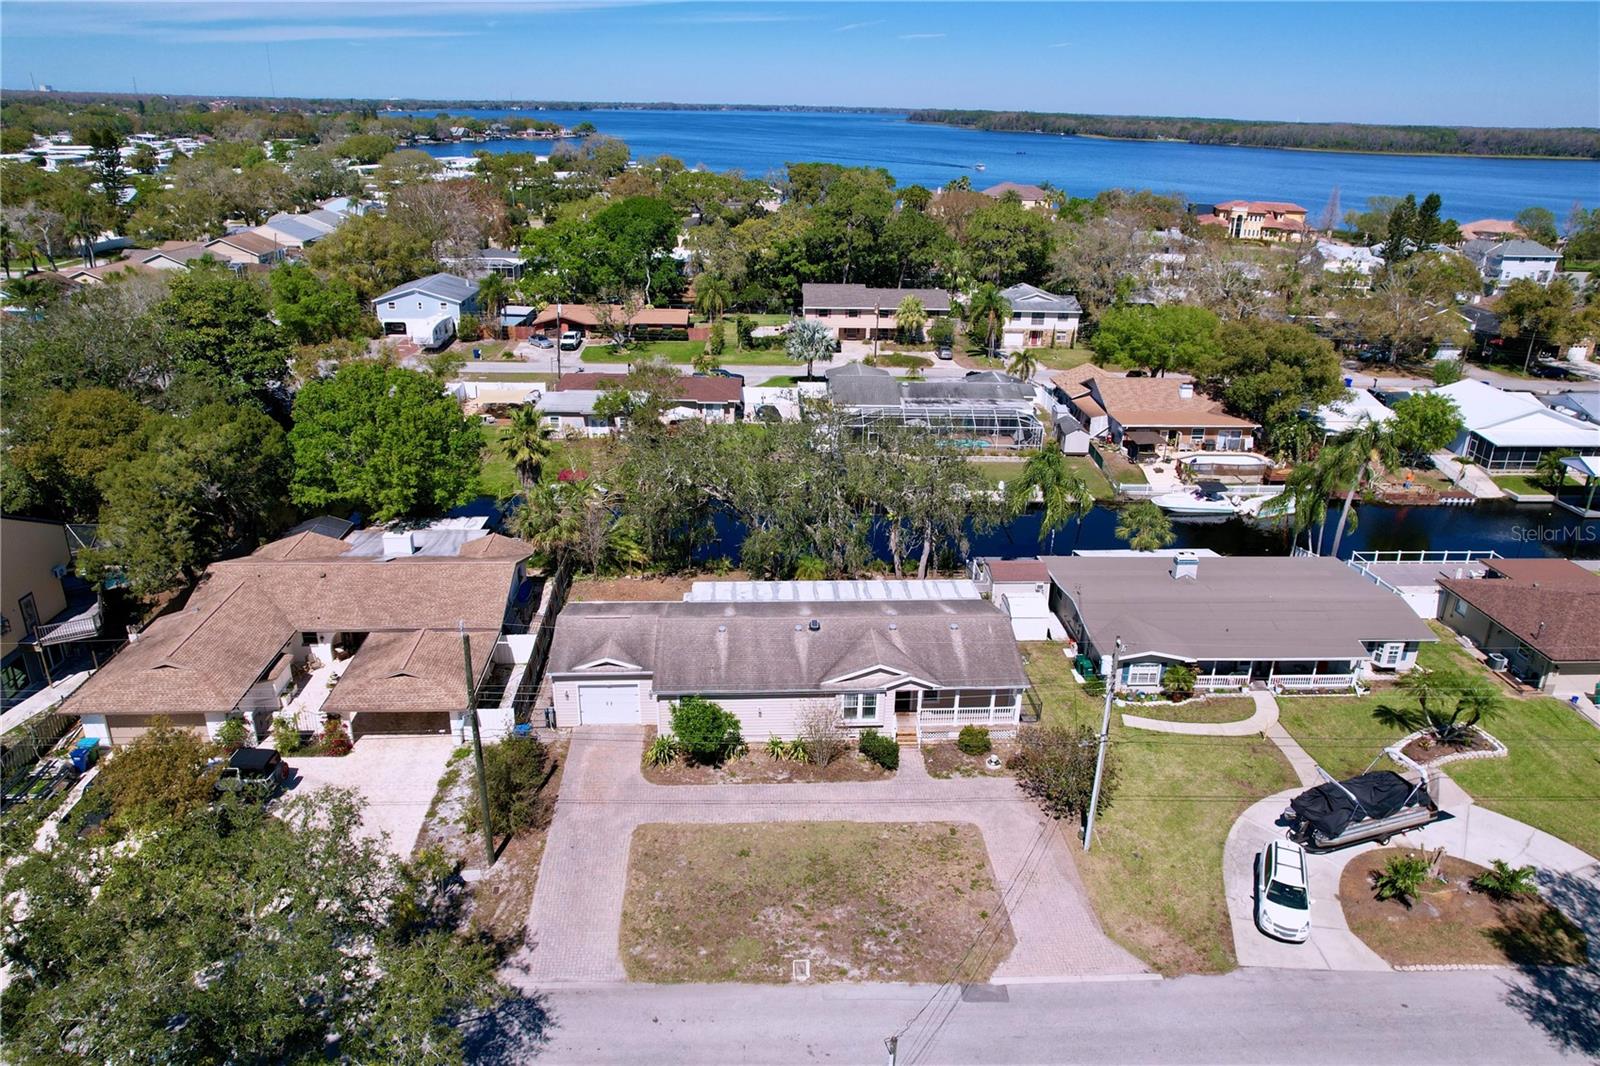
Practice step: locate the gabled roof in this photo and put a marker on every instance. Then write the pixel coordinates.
(1508, 419)
(1025, 192)
(1262, 206)
(440, 286)
(296, 228)
(1025, 297)
(866, 297)
(1144, 403)
(248, 241)
(1552, 605)
(1521, 248)
(711, 389)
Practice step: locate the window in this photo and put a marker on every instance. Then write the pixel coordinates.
(391, 305)
(1144, 673)
(1458, 606)
(852, 313)
(1037, 319)
(859, 707)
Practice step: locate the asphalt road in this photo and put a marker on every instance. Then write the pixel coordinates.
(1249, 1016)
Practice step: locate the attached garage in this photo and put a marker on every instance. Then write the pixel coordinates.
(608, 703)
(125, 729)
(399, 723)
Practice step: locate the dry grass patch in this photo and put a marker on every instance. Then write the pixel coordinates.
(1214, 710)
(1449, 922)
(944, 759)
(862, 901)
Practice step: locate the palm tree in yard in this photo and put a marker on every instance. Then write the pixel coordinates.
(807, 342)
(1065, 494)
(989, 311)
(712, 295)
(909, 318)
(493, 292)
(1349, 460)
(526, 445)
(1145, 527)
(1552, 469)
(1024, 364)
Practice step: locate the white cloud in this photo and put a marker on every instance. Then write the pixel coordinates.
(920, 36)
(1060, 44)
(859, 25)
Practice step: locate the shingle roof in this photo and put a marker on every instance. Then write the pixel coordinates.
(1552, 605)
(1025, 192)
(1236, 607)
(295, 227)
(415, 671)
(440, 286)
(727, 648)
(249, 241)
(710, 389)
(1519, 248)
(865, 297)
(1026, 297)
(1157, 403)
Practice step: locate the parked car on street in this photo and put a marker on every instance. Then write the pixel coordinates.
(571, 340)
(539, 340)
(253, 773)
(1283, 901)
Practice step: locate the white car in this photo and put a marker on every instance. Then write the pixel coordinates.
(1283, 901)
(571, 340)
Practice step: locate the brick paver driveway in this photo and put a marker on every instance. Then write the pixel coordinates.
(397, 775)
(576, 918)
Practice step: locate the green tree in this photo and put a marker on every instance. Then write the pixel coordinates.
(79, 435)
(1539, 224)
(708, 733)
(1271, 371)
(1158, 339)
(1346, 462)
(365, 148)
(105, 159)
(526, 445)
(218, 327)
(312, 310)
(576, 520)
(989, 312)
(1448, 371)
(806, 342)
(1583, 234)
(494, 292)
(1006, 243)
(1537, 314)
(1424, 422)
(1065, 495)
(1056, 766)
(373, 253)
(164, 775)
(1024, 363)
(1145, 527)
(234, 935)
(712, 294)
(909, 318)
(1552, 469)
(384, 440)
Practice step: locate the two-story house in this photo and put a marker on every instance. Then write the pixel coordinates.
(426, 310)
(1502, 262)
(1257, 220)
(864, 313)
(1040, 319)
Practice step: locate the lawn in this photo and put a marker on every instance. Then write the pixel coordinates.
(1008, 470)
(861, 901)
(782, 381)
(1550, 779)
(497, 476)
(683, 352)
(1155, 871)
(1216, 709)
(1522, 484)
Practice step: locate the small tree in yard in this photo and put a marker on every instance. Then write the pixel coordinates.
(1177, 682)
(974, 740)
(1552, 469)
(514, 770)
(1055, 766)
(808, 342)
(824, 739)
(1502, 881)
(232, 734)
(1401, 878)
(160, 776)
(1450, 704)
(708, 734)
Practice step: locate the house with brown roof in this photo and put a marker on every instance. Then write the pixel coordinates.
(1539, 619)
(1032, 196)
(1257, 220)
(246, 249)
(659, 322)
(568, 406)
(1144, 414)
(366, 629)
(1491, 229)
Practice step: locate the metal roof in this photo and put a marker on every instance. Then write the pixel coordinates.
(829, 591)
(440, 286)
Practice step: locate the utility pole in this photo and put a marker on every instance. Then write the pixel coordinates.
(893, 1044)
(1105, 736)
(877, 313)
(477, 746)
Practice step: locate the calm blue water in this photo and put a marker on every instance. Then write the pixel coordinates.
(761, 142)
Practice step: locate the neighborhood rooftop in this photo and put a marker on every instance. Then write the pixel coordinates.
(867, 298)
(1552, 605)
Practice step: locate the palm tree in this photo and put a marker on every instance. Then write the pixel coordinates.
(493, 292)
(526, 445)
(1349, 460)
(1306, 494)
(1024, 364)
(1065, 493)
(6, 235)
(989, 310)
(1552, 469)
(1145, 527)
(32, 292)
(909, 318)
(712, 295)
(807, 342)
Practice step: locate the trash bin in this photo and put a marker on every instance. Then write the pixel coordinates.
(477, 353)
(549, 717)
(523, 729)
(84, 753)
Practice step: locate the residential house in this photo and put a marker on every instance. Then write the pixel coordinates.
(367, 630)
(1291, 623)
(864, 313)
(172, 255)
(1581, 405)
(247, 249)
(918, 658)
(106, 271)
(1144, 414)
(1032, 196)
(1509, 432)
(1354, 408)
(1503, 261)
(426, 310)
(986, 405)
(298, 231)
(1040, 319)
(1020, 588)
(568, 405)
(1348, 259)
(44, 608)
(1540, 616)
(1263, 220)
(1490, 229)
(648, 322)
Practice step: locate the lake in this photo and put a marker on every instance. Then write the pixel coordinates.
(761, 142)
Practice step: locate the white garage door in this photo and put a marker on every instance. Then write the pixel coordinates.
(608, 704)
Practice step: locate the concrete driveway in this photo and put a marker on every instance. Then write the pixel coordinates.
(396, 775)
(576, 919)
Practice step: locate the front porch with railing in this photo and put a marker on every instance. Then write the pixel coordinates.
(942, 715)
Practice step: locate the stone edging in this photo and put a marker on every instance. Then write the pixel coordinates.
(1425, 967)
(1497, 751)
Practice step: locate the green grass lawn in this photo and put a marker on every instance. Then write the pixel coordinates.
(497, 476)
(1008, 470)
(1522, 484)
(782, 381)
(1155, 872)
(1550, 779)
(1062, 358)
(680, 352)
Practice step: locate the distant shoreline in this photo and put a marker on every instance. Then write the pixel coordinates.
(1280, 147)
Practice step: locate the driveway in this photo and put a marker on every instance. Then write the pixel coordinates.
(396, 775)
(576, 918)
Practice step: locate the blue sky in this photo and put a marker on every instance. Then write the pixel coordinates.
(1364, 62)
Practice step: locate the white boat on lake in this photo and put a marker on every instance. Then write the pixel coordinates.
(1202, 502)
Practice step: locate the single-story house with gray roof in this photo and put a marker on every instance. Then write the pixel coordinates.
(1288, 623)
(985, 406)
(920, 667)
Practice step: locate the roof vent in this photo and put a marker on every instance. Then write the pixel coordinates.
(396, 543)
(955, 625)
(722, 629)
(894, 625)
(1185, 390)
(1186, 564)
(814, 625)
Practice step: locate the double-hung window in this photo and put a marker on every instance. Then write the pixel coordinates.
(859, 708)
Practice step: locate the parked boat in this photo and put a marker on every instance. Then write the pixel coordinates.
(1267, 510)
(1205, 501)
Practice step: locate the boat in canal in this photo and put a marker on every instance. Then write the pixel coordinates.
(1206, 500)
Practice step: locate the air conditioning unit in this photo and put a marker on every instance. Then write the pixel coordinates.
(1497, 662)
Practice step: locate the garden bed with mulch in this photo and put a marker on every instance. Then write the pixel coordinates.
(858, 901)
(756, 767)
(1449, 922)
(944, 759)
(1427, 748)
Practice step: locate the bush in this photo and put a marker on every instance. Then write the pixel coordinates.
(1095, 687)
(232, 735)
(1401, 877)
(1055, 766)
(469, 328)
(285, 735)
(707, 733)
(880, 749)
(1505, 882)
(514, 770)
(159, 777)
(974, 740)
(662, 751)
(335, 739)
(1447, 371)
(717, 343)
(1177, 682)
(821, 736)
